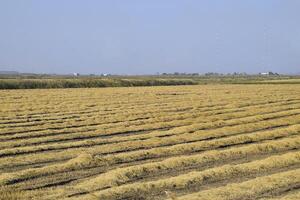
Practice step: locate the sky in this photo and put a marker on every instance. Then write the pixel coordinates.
(149, 36)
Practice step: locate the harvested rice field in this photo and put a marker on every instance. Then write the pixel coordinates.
(206, 142)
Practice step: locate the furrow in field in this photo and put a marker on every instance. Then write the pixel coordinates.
(67, 102)
(269, 100)
(54, 132)
(123, 175)
(198, 178)
(9, 163)
(119, 102)
(28, 118)
(94, 134)
(92, 113)
(86, 160)
(203, 109)
(292, 194)
(108, 109)
(160, 169)
(251, 189)
(181, 149)
(72, 178)
(85, 123)
(135, 145)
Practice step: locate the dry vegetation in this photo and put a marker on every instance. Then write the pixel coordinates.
(213, 142)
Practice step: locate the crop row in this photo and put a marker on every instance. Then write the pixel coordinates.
(199, 178)
(15, 141)
(82, 162)
(251, 189)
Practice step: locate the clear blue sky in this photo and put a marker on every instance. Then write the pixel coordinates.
(149, 36)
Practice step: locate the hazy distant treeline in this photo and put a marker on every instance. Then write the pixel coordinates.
(95, 82)
(88, 83)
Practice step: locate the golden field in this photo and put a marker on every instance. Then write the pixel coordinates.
(206, 142)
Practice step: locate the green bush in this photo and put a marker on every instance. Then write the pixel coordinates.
(88, 83)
